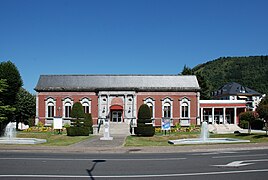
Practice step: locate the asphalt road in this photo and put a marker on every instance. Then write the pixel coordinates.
(244, 165)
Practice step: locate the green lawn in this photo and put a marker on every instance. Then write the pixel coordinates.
(162, 140)
(53, 139)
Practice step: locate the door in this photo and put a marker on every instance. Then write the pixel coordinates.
(117, 116)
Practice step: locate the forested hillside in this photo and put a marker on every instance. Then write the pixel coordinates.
(250, 71)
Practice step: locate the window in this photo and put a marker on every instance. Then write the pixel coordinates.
(86, 103)
(150, 105)
(150, 102)
(167, 108)
(50, 107)
(50, 110)
(185, 108)
(67, 107)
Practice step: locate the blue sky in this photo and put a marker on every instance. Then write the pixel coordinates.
(127, 36)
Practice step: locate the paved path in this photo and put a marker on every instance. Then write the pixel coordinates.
(118, 141)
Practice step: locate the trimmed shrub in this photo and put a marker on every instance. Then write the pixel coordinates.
(144, 112)
(77, 131)
(88, 122)
(77, 111)
(144, 118)
(257, 124)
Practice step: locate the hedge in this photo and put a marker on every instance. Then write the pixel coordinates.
(78, 131)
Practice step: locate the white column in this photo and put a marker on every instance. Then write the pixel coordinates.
(37, 110)
(198, 108)
(134, 107)
(201, 115)
(224, 115)
(125, 107)
(213, 121)
(235, 122)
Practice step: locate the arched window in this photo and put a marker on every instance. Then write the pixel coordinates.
(185, 108)
(86, 103)
(50, 107)
(167, 108)
(151, 104)
(67, 107)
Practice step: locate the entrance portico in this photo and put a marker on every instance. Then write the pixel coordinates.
(221, 111)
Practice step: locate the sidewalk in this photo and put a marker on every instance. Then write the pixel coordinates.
(116, 146)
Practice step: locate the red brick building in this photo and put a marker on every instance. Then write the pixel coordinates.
(118, 97)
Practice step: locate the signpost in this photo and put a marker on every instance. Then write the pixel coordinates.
(165, 125)
(57, 124)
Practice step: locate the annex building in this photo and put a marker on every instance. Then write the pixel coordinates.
(118, 98)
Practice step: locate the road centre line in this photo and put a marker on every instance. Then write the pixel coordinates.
(59, 159)
(139, 176)
(246, 155)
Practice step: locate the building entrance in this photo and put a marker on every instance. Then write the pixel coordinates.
(116, 116)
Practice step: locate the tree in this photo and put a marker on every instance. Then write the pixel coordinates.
(250, 117)
(25, 106)
(4, 109)
(144, 122)
(187, 71)
(263, 113)
(79, 126)
(10, 72)
(203, 83)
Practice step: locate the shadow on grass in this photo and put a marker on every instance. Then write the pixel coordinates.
(260, 136)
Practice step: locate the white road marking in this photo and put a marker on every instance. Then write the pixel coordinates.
(138, 176)
(220, 152)
(246, 155)
(59, 159)
(241, 163)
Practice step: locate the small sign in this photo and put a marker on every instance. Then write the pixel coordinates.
(165, 124)
(57, 123)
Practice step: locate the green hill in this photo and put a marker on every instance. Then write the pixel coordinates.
(250, 71)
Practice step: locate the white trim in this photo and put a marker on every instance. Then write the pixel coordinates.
(66, 102)
(52, 102)
(86, 102)
(188, 102)
(151, 101)
(170, 102)
(222, 101)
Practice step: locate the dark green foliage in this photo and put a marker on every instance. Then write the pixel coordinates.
(88, 122)
(250, 71)
(243, 124)
(25, 106)
(263, 113)
(202, 81)
(80, 122)
(257, 124)
(250, 117)
(10, 72)
(144, 122)
(77, 111)
(144, 112)
(78, 131)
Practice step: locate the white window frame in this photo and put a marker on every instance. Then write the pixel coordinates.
(151, 101)
(86, 102)
(66, 102)
(50, 102)
(183, 102)
(165, 102)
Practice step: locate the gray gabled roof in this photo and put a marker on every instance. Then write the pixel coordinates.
(234, 88)
(117, 82)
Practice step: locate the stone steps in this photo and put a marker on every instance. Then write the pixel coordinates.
(117, 129)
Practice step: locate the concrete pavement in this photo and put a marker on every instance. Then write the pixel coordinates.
(95, 145)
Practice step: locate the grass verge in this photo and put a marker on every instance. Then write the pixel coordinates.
(53, 139)
(162, 140)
